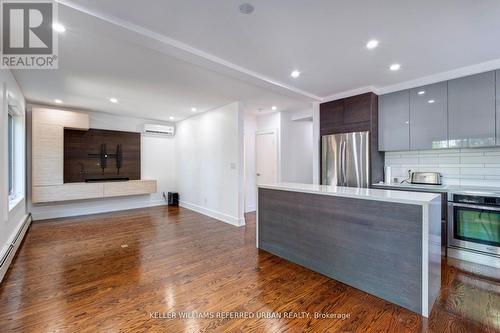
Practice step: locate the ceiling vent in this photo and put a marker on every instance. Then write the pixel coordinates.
(246, 8)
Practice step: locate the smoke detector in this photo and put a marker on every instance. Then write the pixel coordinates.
(246, 8)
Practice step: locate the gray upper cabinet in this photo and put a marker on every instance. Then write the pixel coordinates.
(498, 106)
(394, 119)
(429, 117)
(471, 111)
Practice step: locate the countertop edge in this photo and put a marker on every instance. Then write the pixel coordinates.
(352, 195)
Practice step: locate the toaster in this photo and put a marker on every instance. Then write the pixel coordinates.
(428, 178)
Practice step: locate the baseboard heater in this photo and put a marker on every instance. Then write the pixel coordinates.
(12, 249)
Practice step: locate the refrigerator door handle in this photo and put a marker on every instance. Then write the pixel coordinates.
(344, 162)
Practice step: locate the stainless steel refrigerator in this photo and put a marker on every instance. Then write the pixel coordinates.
(346, 159)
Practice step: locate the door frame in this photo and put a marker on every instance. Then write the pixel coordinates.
(277, 152)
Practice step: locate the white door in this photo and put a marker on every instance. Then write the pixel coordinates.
(266, 158)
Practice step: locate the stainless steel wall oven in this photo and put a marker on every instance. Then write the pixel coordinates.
(474, 223)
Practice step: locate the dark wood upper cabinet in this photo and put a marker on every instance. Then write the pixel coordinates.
(355, 114)
(351, 114)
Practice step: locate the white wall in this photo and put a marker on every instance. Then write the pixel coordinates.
(297, 147)
(467, 167)
(10, 219)
(157, 162)
(209, 163)
(250, 128)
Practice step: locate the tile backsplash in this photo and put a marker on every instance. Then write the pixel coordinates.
(472, 166)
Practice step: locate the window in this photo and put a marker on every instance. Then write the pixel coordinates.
(11, 143)
(15, 154)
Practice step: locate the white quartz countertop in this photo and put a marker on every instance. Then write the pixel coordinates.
(415, 198)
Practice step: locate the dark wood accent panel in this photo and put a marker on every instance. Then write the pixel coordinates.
(355, 114)
(374, 246)
(377, 158)
(72, 275)
(83, 160)
(351, 114)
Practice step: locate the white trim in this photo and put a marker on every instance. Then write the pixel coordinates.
(13, 203)
(12, 241)
(443, 76)
(349, 93)
(250, 209)
(185, 47)
(425, 261)
(421, 81)
(238, 222)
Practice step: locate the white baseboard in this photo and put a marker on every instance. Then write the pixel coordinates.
(250, 209)
(214, 214)
(59, 211)
(10, 249)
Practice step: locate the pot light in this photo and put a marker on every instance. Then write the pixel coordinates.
(395, 67)
(171, 118)
(431, 101)
(113, 100)
(58, 27)
(274, 108)
(194, 109)
(421, 92)
(372, 44)
(295, 74)
(57, 101)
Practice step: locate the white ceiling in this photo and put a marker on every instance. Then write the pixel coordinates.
(133, 50)
(98, 60)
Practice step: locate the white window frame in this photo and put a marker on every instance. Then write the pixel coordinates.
(18, 154)
(11, 137)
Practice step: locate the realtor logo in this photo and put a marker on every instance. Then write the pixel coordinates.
(28, 39)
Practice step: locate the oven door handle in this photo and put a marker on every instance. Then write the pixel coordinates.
(492, 208)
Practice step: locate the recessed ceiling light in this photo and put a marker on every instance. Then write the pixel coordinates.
(431, 101)
(274, 108)
(372, 44)
(58, 101)
(113, 100)
(295, 74)
(395, 67)
(58, 27)
(246, 8)
(171, 118)
(194, 109)
(421, 92)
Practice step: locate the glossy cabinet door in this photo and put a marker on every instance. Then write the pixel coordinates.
(471, 111)
(498, 106)
(429, 117)
(394, 119)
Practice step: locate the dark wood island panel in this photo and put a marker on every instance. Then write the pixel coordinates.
(374, 246)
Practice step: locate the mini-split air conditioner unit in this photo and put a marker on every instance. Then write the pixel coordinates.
(159, 129)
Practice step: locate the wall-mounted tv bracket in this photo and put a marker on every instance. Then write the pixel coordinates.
(103, 157)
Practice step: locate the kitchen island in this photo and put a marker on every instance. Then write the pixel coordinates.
(386, 243)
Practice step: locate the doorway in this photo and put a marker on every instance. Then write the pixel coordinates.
(266, 157)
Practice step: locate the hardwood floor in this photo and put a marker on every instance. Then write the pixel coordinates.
(118, 271)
